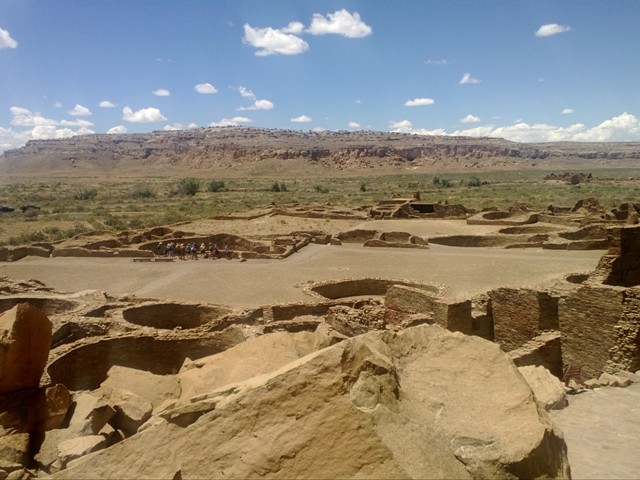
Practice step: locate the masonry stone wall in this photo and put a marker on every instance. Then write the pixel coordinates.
(409, 299)
(519, 315)
(588, 318)
(625, 353)
(453, 315)
(624, 243)
(544, 350)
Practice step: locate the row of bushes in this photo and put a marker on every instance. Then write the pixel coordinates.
(190, 186)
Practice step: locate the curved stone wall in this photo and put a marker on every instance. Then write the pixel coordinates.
(47, 305)
(172, 315)
(158, 355)
(364, 287)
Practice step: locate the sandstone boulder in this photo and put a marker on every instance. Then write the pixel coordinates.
(547, 388)
(420, 403)
(262, 355)
(77, 447)
(153, 388)
(14, 450)
(25, 340)
(131, 411)
(90, 415)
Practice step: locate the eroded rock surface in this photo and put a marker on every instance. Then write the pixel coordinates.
(421, 403)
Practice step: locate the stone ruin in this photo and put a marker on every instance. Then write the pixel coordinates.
(119, 367)
(581, 227)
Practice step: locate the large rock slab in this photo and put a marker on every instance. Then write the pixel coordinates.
(153, 388)
(25, 340)
(548, 389)
(421, 403)
(248, 359)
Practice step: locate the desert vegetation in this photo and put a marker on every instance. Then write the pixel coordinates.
(68, 206)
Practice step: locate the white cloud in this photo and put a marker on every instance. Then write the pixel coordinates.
(302, 119)
(162, 92)
(246, 93)
(419, 102)
(144, 115)
(341, 22)
(551, 29)
(118, 129)
(293, 27)
(106, 104)
(76, 123)
(440, 62)
(205, 89)
(49, 131)
(567, 111)
(623, 128)
(6, 41)
(39, 127)
(257, 104)
(470, 119)
(400, 125)
(262, 105)
(57, 105)
(467, 79)
(354, 125)
(79, 111)
(230, 122)
(23, 117)
(270, 41)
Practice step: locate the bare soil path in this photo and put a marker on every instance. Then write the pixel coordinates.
(464, 272)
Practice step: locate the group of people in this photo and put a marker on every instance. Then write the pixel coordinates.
(193, 250)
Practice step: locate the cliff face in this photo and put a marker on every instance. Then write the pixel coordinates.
(213, 148)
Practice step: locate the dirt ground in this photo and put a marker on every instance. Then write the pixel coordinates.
(463, 272)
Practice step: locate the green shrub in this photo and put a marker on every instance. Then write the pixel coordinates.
(278, 187)
(85, 194)
(363, 187)
(188, 186)
(442, 182)
(321, 189)
(215, 185)
(474, 182)
(143, 191)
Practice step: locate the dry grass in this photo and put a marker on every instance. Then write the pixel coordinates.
(72, 205)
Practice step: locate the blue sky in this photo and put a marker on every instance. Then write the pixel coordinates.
(527, 71)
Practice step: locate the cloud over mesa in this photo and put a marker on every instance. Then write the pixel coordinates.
(624, 127)
(288, 41)
(144, 115)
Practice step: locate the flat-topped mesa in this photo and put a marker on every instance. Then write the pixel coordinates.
(232, 146)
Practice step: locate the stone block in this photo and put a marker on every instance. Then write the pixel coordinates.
(25, 341)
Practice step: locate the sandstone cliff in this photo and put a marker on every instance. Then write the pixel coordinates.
(237, 147)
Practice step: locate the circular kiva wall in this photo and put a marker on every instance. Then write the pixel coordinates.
(365, 287)
(47, 305)
(86, 366)
(172, 315)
